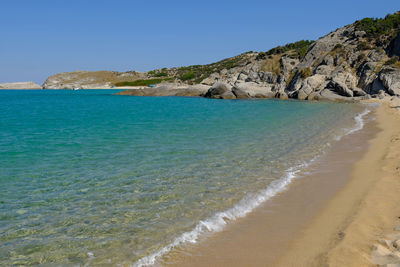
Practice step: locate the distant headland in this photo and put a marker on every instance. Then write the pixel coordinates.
(358, 61)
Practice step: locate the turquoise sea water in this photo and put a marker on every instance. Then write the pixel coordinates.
(87, 177)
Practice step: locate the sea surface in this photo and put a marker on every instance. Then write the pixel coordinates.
(90, 178)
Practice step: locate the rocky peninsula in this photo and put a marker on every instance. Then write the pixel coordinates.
(358, 61)
(20, 85)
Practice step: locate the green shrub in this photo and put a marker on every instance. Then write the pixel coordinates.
(363, 46)
(142, 82)
(187, 76)
(306, 72)
(393, 61)
(161, 74)
(338, 47)
(375, 27)
(300, 49)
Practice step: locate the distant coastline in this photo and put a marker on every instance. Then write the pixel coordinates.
(356, 62)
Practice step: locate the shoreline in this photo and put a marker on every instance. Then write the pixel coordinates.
(339, 225)
(363, 212)
(234, 248)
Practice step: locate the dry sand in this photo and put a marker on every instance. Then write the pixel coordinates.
(366, 209)
(332, 218)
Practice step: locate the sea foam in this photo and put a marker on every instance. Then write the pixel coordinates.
(218, 222)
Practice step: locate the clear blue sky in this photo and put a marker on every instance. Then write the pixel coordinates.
(43, 37)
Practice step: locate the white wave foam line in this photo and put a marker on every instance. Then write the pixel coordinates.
(220, 219)
(359, 122)
(358, 126)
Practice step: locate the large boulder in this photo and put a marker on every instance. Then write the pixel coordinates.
(252, 90)
(340, 88)
(346, 78)
(390, 79)
(359, 92)
(307, 86)
(20, 85)
(220, 90)
(327, 94)
(268, 77)
(210, 80)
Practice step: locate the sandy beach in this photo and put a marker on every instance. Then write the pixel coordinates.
(334, 217)
(363, 212)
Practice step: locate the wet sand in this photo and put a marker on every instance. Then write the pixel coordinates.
(274, 234)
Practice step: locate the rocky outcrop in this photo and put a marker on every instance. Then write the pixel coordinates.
(390, 79)
(20, 85)
(220, 90)
(168, 90)
(345, 65)
(89, 79)
(252, 90)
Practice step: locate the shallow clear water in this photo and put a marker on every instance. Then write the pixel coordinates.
(91, 177)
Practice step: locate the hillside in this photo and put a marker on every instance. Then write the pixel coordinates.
(354, 62)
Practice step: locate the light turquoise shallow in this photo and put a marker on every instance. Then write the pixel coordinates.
(91, 177)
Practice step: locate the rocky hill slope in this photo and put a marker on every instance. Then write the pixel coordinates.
(357, 61)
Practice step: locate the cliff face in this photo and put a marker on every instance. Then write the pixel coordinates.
(20, 85)
(357, 61)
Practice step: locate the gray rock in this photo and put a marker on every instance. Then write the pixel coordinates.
(359, 92)
(328, 60)
(288, 63)
(282, 95)
(302, 95)
(220, 90)
(313, 96)
(253, 77)
(253, 90)
(390, 79)
(268, 77)
(381, 94)
(20, 85)
(340, 88)
(367, 75)
(327, 94)
(324, 70)
(376, 87)
(211, 79)
(240, 94)
(360, 34)
(345, 77)
(242, 77)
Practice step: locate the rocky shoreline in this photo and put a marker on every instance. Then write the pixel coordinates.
(355, 62)
(349, 64)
